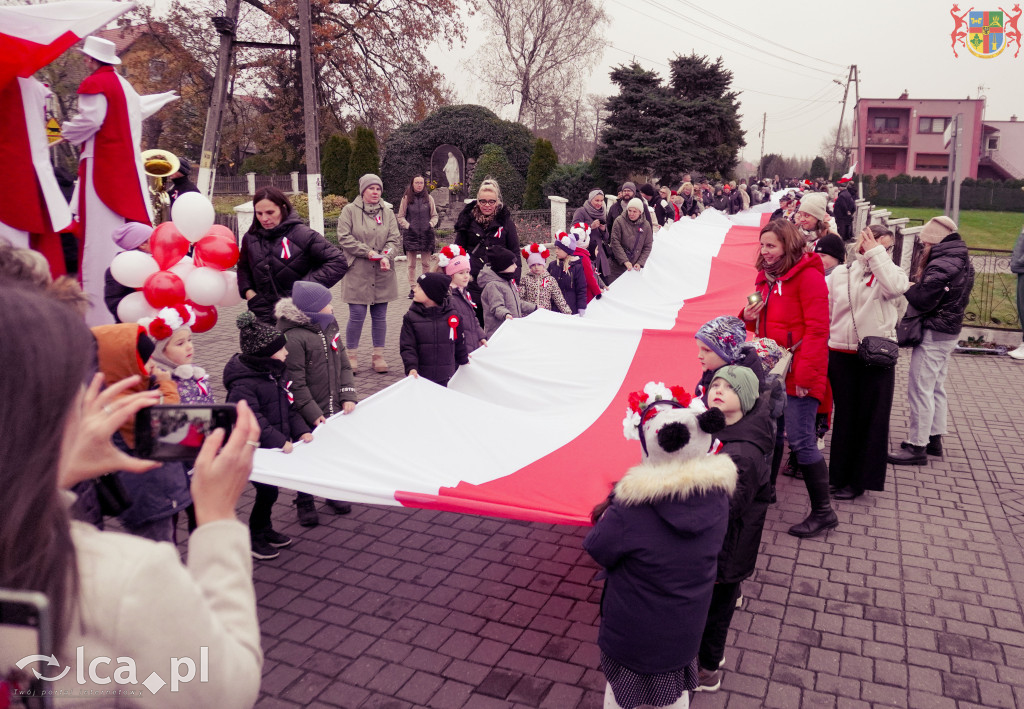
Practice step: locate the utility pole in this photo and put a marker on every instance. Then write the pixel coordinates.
(314, 185)
(760, 163)
(954, 141)
(225, 25)
(842, 115)
(856, 132)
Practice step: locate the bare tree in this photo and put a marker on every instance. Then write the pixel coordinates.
(544, 47)
(839, 157)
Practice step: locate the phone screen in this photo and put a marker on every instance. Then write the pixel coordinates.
(24, 637)
(178, 432)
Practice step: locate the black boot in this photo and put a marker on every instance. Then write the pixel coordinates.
(822, 518)
(308, 516)
(934, 446)
(909, 454)
(792, 468)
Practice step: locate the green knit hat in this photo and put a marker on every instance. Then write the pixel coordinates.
(743, 381)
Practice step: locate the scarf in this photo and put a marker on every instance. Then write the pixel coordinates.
(481, 218)
(774, 271)
(592, 212)
(507, 276)
(321, 320)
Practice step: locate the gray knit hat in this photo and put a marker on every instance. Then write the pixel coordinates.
(937, 229)
(367, 180)
(628, 186)
(256, 338)
(310, 297)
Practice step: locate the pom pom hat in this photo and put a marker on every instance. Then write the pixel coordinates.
(535, 253)
(566, 242)
(581, 230)
(453, 259)
(167, 321)
(257, 339)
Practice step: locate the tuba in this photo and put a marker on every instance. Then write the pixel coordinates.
(159, 165)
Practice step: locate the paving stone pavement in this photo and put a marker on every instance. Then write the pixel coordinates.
(914, 601)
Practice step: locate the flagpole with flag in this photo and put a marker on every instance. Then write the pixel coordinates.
(849, 174)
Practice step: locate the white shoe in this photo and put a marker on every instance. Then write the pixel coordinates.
(403, 257)
(1017, 353)
(821, 444)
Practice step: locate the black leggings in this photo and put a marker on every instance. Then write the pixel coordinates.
(259, 518)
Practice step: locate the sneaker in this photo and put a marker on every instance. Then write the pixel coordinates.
(821, 444)
(339, 507)
(263, 551)
(708, 680)
(276, 539)
(307, 513)
(1017, 353)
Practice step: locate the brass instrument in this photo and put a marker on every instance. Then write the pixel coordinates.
(159, 165)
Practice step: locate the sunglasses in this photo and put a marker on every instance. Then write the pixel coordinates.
(487, 201)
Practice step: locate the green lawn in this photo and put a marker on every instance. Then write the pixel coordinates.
(981, 230)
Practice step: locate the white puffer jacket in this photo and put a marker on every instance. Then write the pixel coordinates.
(876, 288)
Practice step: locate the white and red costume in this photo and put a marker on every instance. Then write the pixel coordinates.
(33, 210)
(112, 186)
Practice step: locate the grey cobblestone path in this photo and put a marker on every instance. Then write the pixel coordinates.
(914, 601)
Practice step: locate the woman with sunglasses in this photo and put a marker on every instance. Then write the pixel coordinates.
(485, 223)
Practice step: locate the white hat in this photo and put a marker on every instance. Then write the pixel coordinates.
(100, 49)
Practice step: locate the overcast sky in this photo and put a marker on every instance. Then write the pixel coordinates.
(895, 44)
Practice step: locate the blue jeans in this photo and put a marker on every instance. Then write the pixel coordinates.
(800, 414)
(926, 386)
(356, 316)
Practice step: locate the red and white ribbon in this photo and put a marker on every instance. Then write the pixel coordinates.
(334, 341)
(288, 391)
(871, 281)
(716, 447)
(204, 389)
(778, 287)
(380, 218)
(453, 323)
(286, 251)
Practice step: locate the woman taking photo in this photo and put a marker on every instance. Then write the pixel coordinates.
(278, 250)
(793, 311)
(485, 223)
(368, 234)
(113, 594)
(592, 213)
(864, 300)
(940, 289)
(417, 217)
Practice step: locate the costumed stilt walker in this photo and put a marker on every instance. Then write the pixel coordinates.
(112, 186)
(33, 211)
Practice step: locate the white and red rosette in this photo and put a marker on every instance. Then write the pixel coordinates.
(453, 323)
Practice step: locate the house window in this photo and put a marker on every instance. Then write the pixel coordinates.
(993, 143)
(886, 124)
(883, 159)
(933, 125)
(156, 69)
(931, 161)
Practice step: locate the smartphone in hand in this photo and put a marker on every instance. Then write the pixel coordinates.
(177, 431)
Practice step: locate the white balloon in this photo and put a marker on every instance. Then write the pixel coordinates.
(133, 307)
(231, 296)
(132, 268)
(183, 267)
(205, 286)
(193, 214)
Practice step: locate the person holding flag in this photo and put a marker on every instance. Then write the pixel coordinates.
(846, 206)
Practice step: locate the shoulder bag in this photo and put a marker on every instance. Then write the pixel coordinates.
(872, 350)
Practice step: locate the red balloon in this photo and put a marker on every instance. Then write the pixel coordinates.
(206, 317)
(221, 230)
(215, 251)
(164, 288)
(167, 245)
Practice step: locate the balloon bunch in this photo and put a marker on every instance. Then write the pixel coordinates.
(167, 276)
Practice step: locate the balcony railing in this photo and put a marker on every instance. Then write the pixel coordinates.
(877, 137)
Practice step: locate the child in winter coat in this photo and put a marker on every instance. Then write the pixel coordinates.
(321, 375)
(568, 271)
(748, 439)
(174, 350)
(130, 236)
(719, 344)
(431, 343)
(538, 287)
(658, 537)
(454, 262)
(259, 375)
(500, 295)
(158, 495)
(581, 231)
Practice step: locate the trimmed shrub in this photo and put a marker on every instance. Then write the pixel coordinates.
(574, 182)
(337, 154)
(544, 160)
(365, 160)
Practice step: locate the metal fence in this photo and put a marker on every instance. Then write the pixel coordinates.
(239, 184)
(993, 301)
(894, 194)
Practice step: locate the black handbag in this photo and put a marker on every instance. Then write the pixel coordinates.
(872, 350)
(910, 331)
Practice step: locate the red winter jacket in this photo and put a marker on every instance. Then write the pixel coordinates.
(796, 308)
(593, 287)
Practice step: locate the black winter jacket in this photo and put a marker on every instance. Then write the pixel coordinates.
(426, 343)
(114, 293)
(690, 207)
(749, 442)
(945, 286)
(619, 208)
(846, 205)
(317, 364)
(262, 382)
(270, 269)
(476, 240)
(572, 284)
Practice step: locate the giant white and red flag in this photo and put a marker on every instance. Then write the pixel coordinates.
(532, 428)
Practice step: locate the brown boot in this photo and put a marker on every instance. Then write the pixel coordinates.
(353, 360)
(379, 365)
